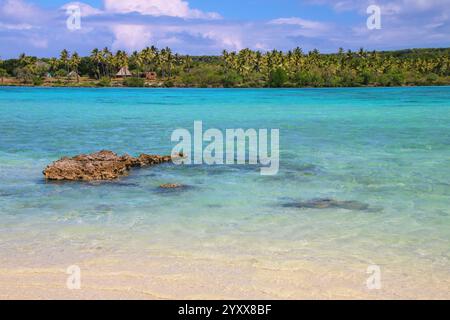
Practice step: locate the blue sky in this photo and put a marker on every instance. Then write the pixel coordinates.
(207, 26)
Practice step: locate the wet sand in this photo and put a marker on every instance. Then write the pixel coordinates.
(172, 277)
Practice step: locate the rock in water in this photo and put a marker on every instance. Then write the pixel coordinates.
(171, 186)
(103, 165)
(328, 203)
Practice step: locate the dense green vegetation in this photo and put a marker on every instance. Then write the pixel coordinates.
(245, 68)
(134, 82)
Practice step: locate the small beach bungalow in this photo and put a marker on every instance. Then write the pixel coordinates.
(123, 73)
(151, 76)
(73, 75)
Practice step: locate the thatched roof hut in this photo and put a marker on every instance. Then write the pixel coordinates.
(73, 74)
(124, 72)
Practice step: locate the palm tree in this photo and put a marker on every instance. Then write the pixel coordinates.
(137, 60)
(3, 74)
(150, 57)
(64, 59)
(225, 60)
(258, 61)
(165, 61)
(120, 60)
(96, 58)
(74, 63)
(54, 64)
(297, 58)
(23, 59)
(107, 60)
(187, 63)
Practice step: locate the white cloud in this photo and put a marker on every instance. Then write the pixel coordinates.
(169, 8)
(20, 26)
(20, 10)
(223, 38)
(302, 23)
(209, 36)
(172, 8)
(86, 10)
(131, 37)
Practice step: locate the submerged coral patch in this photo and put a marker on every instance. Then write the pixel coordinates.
(327, 203)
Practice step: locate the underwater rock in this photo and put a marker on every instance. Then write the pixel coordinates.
(171, 186)
(328, 203)
(103, 165)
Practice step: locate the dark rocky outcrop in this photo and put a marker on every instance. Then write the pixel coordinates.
(326, 204)
(103, 165)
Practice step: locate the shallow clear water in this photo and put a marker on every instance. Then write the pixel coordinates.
(387, 148)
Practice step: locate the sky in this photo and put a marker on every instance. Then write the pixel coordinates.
(207, 27)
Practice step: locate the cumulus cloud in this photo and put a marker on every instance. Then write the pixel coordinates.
(172, 8)
(131, 37)
(207, 37)
(224, 38)
(134, 36)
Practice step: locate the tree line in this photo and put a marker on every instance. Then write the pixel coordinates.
(245, 68)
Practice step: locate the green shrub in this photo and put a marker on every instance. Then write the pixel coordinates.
(203, 76)
(37, 81)
(134, 82)
(308, 79)
(169, 84)
(104, 82)
(61, 73)
(277, 78)
(24, 74)
(3, 74)
(350, 78)
(392, 78)
(397, 78)
(366, 78)
(231, 79)
(432, 78)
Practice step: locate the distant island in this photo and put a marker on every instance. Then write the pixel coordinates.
(152, 67)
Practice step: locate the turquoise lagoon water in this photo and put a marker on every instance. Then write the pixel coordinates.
(388, 148)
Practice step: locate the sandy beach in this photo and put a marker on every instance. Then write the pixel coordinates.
(197, 277)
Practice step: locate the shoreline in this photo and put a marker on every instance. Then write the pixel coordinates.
(174, 276)
(243, 88)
